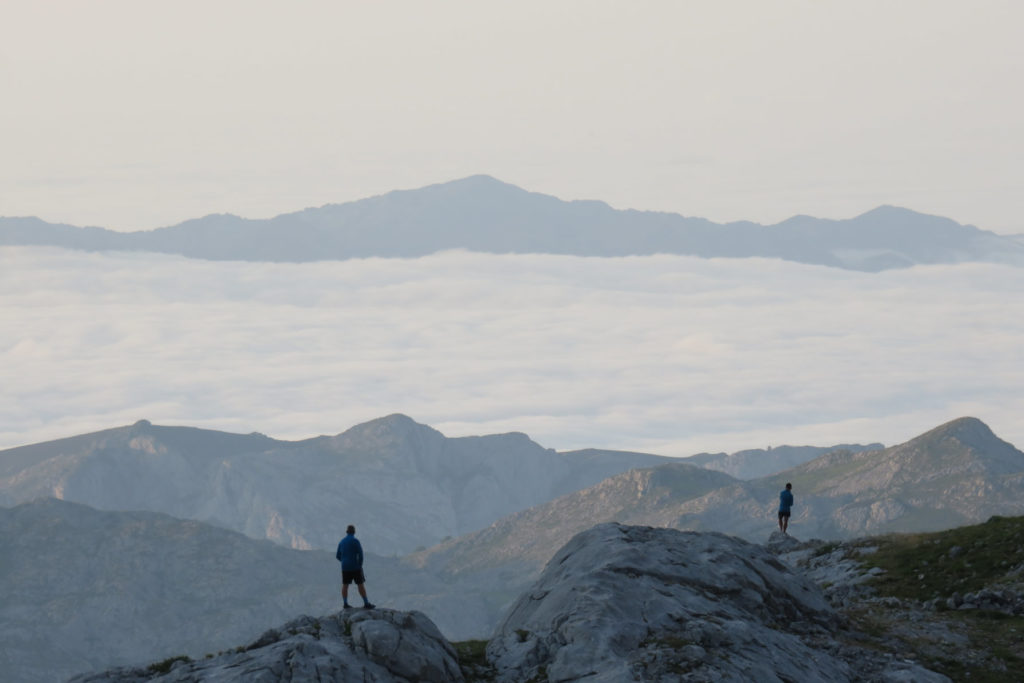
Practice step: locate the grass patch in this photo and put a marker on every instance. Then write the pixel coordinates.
(826, 549)
(924, 566)
(935, 565)
(473, 661)
(471, 652)
(1001, 636)
(165, 666)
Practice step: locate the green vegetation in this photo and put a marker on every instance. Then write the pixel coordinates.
(925, 566)
(999, 635)
(165, 666)
(473, 660)
(936, 565)
(826, 548)
(472, 652)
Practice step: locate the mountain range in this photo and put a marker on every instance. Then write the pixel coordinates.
(408, 482)
(483, 214)
(955, 474)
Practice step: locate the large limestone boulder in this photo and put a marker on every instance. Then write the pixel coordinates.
(380, 645)
(625, 603)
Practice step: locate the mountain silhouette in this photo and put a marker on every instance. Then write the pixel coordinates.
(483, 214)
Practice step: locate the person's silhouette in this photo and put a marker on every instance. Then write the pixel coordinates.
(350, 554)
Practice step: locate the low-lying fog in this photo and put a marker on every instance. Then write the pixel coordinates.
(666, 354)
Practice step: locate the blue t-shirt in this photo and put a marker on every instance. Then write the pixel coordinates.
(350, 553)
(785, 500)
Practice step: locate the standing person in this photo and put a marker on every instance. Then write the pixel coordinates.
(785, 505)
(350, 554)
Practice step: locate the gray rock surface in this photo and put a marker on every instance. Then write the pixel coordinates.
(622, 603)
(378, 645)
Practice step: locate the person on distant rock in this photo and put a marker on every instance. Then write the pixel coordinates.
(785, 505)
(350, 554)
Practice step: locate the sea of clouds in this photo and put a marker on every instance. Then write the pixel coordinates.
(666, 354)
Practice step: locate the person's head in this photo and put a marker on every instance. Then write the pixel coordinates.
(788, 487)
(350, 530)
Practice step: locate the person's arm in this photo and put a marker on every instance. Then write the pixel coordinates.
(359, 552)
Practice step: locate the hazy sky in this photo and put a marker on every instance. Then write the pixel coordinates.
(134, 115)
(668, 354)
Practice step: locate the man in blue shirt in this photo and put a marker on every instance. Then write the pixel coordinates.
(785, 504)
(350, 554)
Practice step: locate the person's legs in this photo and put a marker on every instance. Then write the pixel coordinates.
(361, 585)
(781, 528)
(784, 521)
(346, 579)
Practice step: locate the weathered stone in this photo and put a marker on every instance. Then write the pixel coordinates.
(637, 603)
(376, 645)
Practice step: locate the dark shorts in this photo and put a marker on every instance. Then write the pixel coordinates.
(783, 513)
(356, 575)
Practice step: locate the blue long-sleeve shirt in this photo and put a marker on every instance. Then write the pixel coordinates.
(785, 500)
(350, 553)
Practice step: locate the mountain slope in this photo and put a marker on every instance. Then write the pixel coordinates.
(483, 214)
(85, 589)
(955, 474)
(82, 589)
(405, 483)
(525, 540)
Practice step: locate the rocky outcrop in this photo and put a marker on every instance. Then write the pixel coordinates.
(378, 645)
(621, 603)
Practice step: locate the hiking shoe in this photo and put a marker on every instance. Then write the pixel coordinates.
(369, 605)
(347, 607)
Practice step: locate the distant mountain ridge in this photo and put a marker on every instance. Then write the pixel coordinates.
(482, 214)
(759, 462)
(410, 483)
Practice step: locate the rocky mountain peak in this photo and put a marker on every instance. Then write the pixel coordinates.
(967, 430)
(389, 427)
(387, 438)
(965, 439)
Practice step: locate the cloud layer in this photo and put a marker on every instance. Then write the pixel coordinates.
(666, 354)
